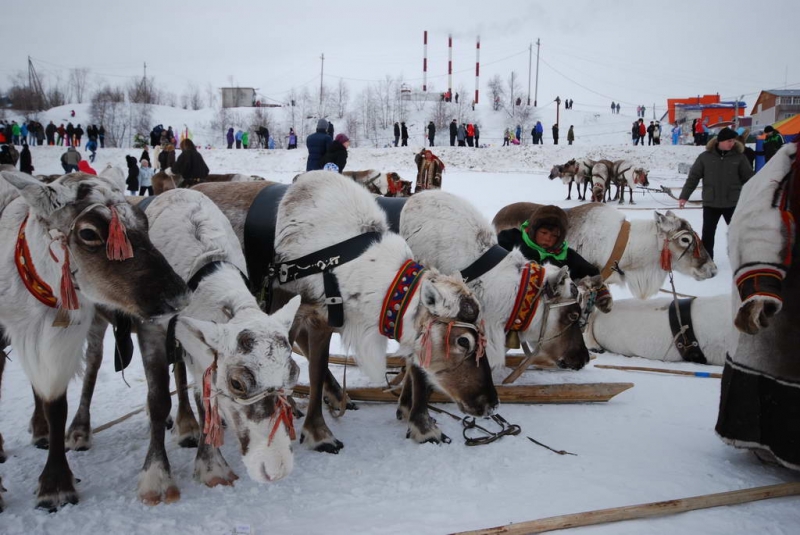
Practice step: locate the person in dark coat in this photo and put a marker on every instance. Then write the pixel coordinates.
(329, 130)
(101, 134)
(543, 238)
(431, 133)
(133, 175)
(78, 135)
(724, 169)
(453, 132)
(396, 134)
(166, 158)
(403, 135)
(70, 130)
(190, 164)
(317, 145)
(555, 134)
(337, 152)
(25, 160)
(229, 138)
(145, 155)
(50, 131)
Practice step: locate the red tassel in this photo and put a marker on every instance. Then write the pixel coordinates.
(666, 257)
(212, 423)
(69, 297)
(698, 245)
(118, 247)
(283, 416)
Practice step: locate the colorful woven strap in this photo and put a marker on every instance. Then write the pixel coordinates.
(27, 272)
(764, 281)
(527, 301)
(397, 298)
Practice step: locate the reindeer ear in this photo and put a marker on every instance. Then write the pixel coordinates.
(667, 222)
(211, 335)
(44, 199)
(285, 316)
(430, 295)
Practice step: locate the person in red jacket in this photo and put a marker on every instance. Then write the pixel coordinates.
(642, 132)
(470, 134)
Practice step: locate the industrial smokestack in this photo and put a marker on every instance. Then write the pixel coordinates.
(450, 64)
(477, 66)
(425, 60)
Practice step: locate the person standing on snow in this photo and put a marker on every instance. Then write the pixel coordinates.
(453, 133)
(570, 135)
(396, 134)
(317, 145)
(403, 135)
(555, 134)
(431, 133)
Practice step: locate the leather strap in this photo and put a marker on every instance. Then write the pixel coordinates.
(393, 206)
(618, 251)
(487, 261)
(259, 239)
(686, 342)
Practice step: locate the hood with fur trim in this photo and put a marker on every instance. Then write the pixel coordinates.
(738, 146)
(548, 215)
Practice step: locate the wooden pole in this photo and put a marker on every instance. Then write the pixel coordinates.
(659, 370)
(556, 393)
(645, 510)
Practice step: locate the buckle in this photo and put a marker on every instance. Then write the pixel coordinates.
(337, 300)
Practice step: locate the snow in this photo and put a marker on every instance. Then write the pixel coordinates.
(653, 442)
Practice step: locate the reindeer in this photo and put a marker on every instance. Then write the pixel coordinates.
(625, 173)
(434, 326)
(100, 241)
(387, 184)
(634, 257)
(578, 171)
(602, 174)
(163, 181)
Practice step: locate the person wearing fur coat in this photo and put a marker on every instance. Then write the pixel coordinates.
(724, 169)
(759, 407)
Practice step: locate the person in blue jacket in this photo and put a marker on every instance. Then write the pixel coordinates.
(317, 145)
(229, 137)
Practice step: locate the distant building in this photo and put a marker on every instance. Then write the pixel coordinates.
(775, 105)
(708, 108)
(238, 97)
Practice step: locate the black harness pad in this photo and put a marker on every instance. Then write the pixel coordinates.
(687, 343)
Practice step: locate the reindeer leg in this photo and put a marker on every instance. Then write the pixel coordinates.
(631, 201)
(332, 393)
(210, 467)
(79, 434)
(569, 191)
(406, 398)
(314, 340)
(40, 433)
(186, 426)
(155, 479)
(421, 427)
(56, 483)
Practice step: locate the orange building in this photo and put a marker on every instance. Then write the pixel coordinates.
(709, 108)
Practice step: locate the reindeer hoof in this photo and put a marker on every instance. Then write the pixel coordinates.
(171, 495)
(327, 447)
(79, 440)
(42, 443)
(222, 481)
(170, 422)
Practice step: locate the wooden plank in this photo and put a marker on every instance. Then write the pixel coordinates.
(645, 510)
(659, 370)
(555, 393)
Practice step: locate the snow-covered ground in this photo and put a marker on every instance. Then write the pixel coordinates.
(653, 442)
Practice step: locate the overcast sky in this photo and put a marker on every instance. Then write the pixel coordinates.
(635, 52)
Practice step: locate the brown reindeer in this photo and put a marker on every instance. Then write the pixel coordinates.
(578, 171)
(164, 181)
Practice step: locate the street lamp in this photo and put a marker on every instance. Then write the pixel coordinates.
(558, 109)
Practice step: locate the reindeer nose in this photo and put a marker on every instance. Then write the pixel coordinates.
(468, 310)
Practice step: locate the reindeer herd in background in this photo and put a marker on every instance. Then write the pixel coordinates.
(600, 174)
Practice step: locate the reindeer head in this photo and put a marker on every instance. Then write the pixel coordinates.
(80, 210)
(449, 344)
(682, 248)
(640, 177)
(598, 191)
(254, 372)
(559, 340)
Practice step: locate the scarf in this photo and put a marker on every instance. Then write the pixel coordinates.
(557, 253)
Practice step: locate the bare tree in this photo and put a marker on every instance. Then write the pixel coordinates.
(341, 96)
(514, 89)
(108, 109)
(78, 83)
(144, 91)
(191, 97)
(211, 95)
(497, 91)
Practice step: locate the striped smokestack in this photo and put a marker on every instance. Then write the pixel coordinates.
(425, 60)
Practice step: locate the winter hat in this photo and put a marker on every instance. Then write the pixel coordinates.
(322, 124)
(725, 134)
(768, 129)
(341, 138)
(549, 215)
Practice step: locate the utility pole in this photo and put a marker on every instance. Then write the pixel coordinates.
(513, 111)
(536, 91)
(530, 57)
(144, 79)
(558, 109)
(321, 71)
(654, 111)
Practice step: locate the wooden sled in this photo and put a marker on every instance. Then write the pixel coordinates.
(512, 361)
(556, 393)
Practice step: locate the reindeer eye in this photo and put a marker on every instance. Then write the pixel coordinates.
(685, 240)
(237, 387)
(464, 342)
(89, 235)
(573, 316)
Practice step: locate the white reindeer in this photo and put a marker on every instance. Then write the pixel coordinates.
(65, 247)
(241, 353)
(596, 229)
(322, 209)
(637, 328)
(449, 233)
